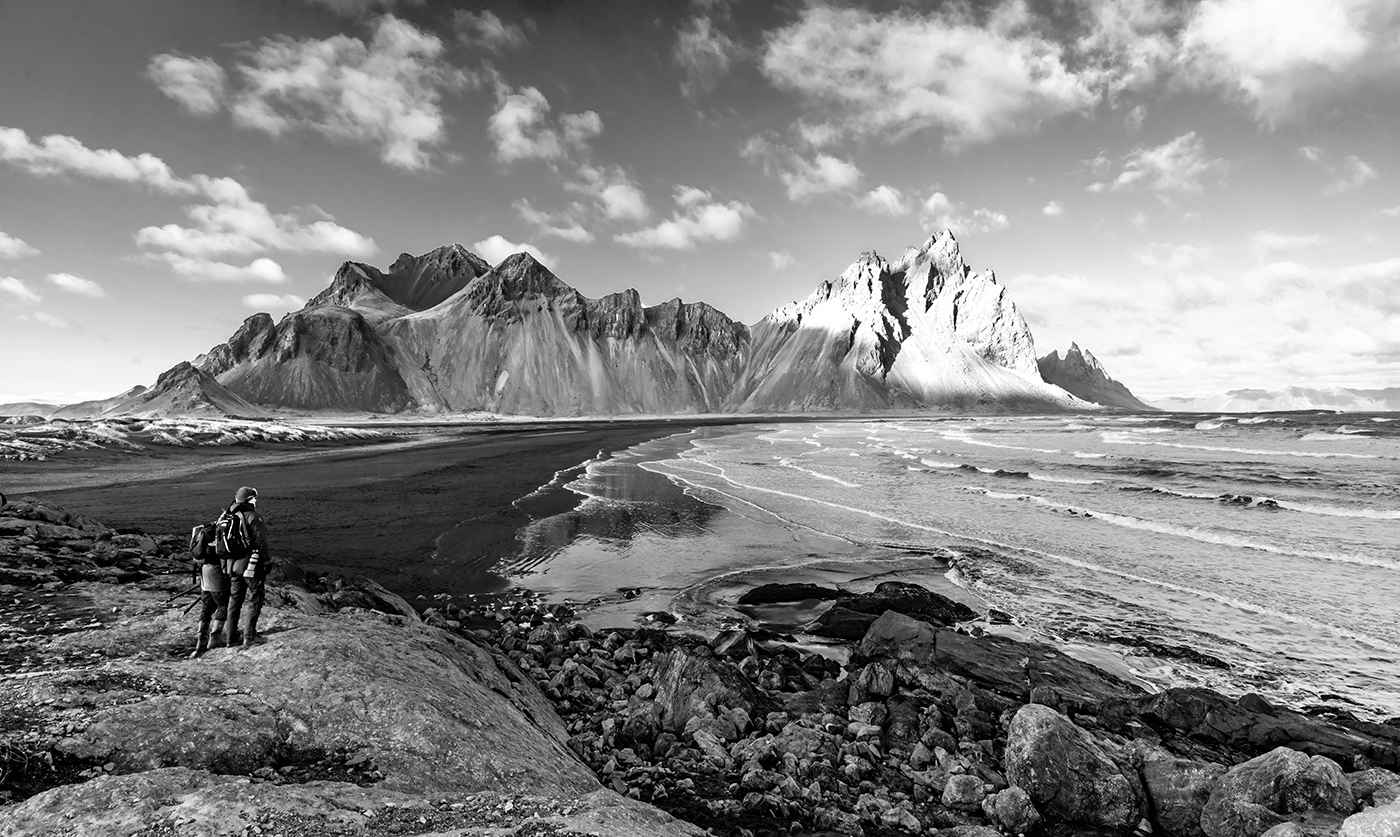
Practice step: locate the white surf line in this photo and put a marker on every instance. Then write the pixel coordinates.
(962, 436)
(559, 475)
(1250, 451)
(1247, 607)
(1191, 532)
(1340, 511)
(787, 463)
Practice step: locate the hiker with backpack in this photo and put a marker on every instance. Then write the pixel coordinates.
(248, 563)
(213, 589)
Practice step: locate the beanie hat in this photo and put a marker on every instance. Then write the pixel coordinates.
(245, 494)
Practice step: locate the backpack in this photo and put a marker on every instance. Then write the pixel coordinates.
(202, 544)
(230, 540)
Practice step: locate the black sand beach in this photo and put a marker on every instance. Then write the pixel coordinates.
(422, 518)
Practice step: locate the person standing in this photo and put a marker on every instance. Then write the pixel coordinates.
(213, 603)
(248, 572)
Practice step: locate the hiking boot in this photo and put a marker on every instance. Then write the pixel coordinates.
(216, 637)
(201, 643)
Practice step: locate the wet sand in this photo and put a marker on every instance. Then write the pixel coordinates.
(422, 516)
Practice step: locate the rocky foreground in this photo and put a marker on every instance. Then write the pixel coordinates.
(357, 715)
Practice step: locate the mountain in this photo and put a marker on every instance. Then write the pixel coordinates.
(519, 340)
(1081, 374)
(922, 331)
(1342, 399)
(446, 332)
(79, 410)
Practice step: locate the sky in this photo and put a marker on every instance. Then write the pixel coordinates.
(1203, 194)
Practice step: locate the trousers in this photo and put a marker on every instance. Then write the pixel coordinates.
(252, 591)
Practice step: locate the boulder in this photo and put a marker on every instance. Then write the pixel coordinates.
(851, 615)
(1016, 669)
(1268, 790)
(873, 682)
(781, 593)
(964, 792)
(363, 591)
(897, 635)
(1067, 773)
(689, 684)
(1013, 810)
(1383, 821)
(1177, 791)
(1376, 785)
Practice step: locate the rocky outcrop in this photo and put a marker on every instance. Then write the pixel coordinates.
(1067, 773)
(852, 614)
(1271, 789)
(1080, 374)
(922, 331)
(1177, 791)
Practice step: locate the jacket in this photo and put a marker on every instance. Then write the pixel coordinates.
(255, 530)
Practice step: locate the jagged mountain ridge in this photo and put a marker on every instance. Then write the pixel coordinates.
(924, 330)
(1083, 376)
(444, 332)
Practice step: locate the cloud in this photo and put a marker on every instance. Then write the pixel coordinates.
(232, 223)
(57, 154)
(884, 200)
(559, 225)
(781, 259)
(1054, 209)
(358, 8)
(1178, 165)
(14, 248)
(1265, 243)
(700, 219)
(1282, 58)
(939, 213)
(20, 291)
(201, 269)
(890, 74)
(1170, 257)
(77, 285)
(1392, 211)
(196, 83)
(616, 196)
(385, 92)
(496, 248)
(1355, 171)
(44, 318)
(1311, 153)
(484, 29)
(520, 130)
(804, 178)
(273, 302)
(704, 54)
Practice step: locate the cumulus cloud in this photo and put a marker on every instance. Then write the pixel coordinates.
(781, 259)
(559, 225)
(18, 290)
(232, 223)
(196, 83)
(57, 154)
(885, 200)
(486, 30)
(1265, 243)
(1392, 211)
(14, 248)
(1170, 257)
(273, 302)
(1280, 59)
(1179, 165)
(1054, 209)
(77, 285)
(700, 219)
(46, 319)
(496, 248)
(804, 178)
(520, 127)
(385, 92)
(616, 196)
(204, 269)
(891, 74)
(1354, 172)
(939, 212)
(705, 55)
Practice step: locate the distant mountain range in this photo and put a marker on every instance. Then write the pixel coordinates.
(1290, 398)
(446, 333)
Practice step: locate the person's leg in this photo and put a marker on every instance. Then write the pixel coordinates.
(238, 588)
(216, 634)
(256, 589)
(207, 606)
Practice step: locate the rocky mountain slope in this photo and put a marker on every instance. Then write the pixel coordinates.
(446, 332)
(1081, 374)
(922, 331)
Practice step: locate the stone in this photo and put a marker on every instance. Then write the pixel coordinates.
(964, 792)
(782, 593)
(1177, 791)
(1367, 784)
(1067, 773)
(688, 684)
(1382, 821)
(897, 635)
(1267, 790)
(1014, 811)
(872, 681)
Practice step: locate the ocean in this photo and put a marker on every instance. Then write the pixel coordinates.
(1248, 553)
